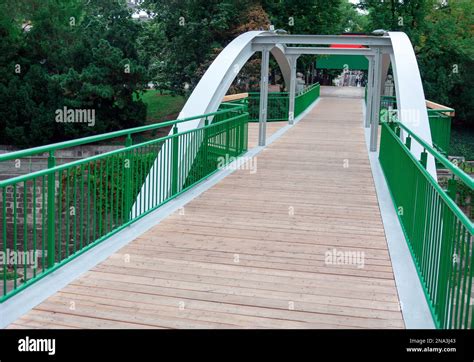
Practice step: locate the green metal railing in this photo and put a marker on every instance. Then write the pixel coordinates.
(305, 98)
(440, 122)
(440, 126)
(278, 103)
(51, 216)
(437, 231)
(277, 106)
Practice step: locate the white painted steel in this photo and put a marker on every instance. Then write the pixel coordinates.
(214, 84)
(411, 103)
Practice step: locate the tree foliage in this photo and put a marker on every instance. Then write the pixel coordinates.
(92, 55)
(442, 35)
(306, 17)
(192, 31)
(70, 53)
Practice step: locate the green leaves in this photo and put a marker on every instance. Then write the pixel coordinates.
(442, 38)
(76, 53)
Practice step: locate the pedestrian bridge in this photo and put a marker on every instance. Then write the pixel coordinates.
(316, 222)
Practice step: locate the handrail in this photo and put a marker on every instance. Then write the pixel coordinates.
(301, 92)
(430, 106)
(437, 231)
(307, 89)
(450, 202)
(278, 103)
(433, 106)
(105, 136)
(269, 93)
(468, 180)
(106, 193)
(46, 171)
(234, 97)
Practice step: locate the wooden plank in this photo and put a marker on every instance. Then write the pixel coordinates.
(440, 107)
(234, 97)
(355, 310)
(187, 275)
(278, 315)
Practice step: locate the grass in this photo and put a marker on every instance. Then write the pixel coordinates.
(462, 142)
(161, 106)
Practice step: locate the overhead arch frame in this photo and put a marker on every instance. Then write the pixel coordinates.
(396, 46)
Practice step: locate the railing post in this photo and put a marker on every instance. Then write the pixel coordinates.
(408, 142)
(128, 179)
(452, 188)
(424, 158)
(227, 138)
(374, 125)
(174, 156)
(237, 136)
(370, 90)
(50, 210)
(206, 146)
(397, 131)
(292, 91)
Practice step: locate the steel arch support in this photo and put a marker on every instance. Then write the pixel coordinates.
(411, 103)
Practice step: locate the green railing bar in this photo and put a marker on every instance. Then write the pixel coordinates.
(106, 184)
(15, 247)
(47, 171)
(106, 136)
(51, 226)
(451, 204)
(4, 238)
(469, 181)
(34, 226)
(25, 225)
(90, 246)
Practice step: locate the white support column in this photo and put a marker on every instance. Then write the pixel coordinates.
(374, 124)
(292, 59)
(262, 117)
(370, 90)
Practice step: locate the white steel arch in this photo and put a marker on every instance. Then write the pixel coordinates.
(410, 94)
(207, 95)
(213, 86)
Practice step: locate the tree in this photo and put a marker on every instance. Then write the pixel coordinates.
(352, 21)
(408, 16)
(442, 38)
(305, 17)
(193, 31)
(72, 53)
(446, 58)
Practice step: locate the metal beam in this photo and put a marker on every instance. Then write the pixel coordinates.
(334, 51)
(377, 88)
(370, 90)
(383, 41)
(262, 116)
(291, 102)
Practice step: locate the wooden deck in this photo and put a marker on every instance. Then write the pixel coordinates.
(251, 251)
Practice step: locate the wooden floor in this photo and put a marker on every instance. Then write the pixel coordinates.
(251, 252)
